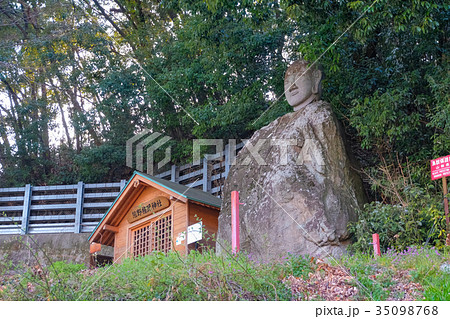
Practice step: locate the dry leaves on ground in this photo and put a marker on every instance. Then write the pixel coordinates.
(334, 283)
(404, 289)
(326, 283)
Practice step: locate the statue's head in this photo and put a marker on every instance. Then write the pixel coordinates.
(302, 86)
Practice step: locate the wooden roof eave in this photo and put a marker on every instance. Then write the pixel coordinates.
(179, 197)
(124, 202)
(203, 204)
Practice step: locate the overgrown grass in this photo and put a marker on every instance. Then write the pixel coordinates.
(210, 277)
(414, 264)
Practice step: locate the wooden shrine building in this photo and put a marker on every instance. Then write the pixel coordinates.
(153, 214)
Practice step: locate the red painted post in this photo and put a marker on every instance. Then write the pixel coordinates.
(376, 245)
(235, 243)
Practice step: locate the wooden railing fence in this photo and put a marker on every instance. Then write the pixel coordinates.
(78, 208)
(208, 175)
(55, 209)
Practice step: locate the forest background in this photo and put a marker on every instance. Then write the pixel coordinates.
(78, 78)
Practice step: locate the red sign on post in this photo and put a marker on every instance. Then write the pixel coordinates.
(440, 167)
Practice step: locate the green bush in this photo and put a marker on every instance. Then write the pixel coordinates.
(299, 265)
(418, 221)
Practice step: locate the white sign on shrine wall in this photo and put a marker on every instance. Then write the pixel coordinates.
(194, 233)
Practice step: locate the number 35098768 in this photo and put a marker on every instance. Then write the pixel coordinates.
(407, 310)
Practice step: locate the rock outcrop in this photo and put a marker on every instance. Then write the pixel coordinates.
(302, 197)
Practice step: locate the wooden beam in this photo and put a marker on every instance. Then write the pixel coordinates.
(95, 247)
(110, 228)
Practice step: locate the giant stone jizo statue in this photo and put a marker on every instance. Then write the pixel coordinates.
(302, 84)
(302, 206)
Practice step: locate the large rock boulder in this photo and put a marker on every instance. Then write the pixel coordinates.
(297, 198)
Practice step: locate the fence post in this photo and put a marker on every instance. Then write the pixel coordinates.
(79, 207)
(227, 159)
(174, 173)
(206, 177)
(123, 182)
(26, 209)
(231, 155)
(376, 245)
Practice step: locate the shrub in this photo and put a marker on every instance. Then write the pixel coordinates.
(300, 266)
(418, 221)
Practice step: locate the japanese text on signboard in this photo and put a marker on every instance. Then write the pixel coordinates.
(440, 167)
(148, 208)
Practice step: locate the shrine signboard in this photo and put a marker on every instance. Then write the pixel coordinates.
(440, 167)
(148, 208)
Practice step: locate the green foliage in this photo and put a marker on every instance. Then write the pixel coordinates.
(98, 163)
(206, 276)
(376, 278)
(440, 119)
(218, 66)
(370, 288)
(376, 218)
(388, 121)
(387, 74)
(373, 278)
(437, 288)
(65, 268)
(209, 69)
(6, 264)
(420, 221)
(197, 277)
(299, 265)
(158, 276)
(191, 71)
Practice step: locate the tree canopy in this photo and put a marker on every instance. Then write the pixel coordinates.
(79, 78)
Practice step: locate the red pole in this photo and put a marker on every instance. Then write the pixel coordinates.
(445, 190)
(376, 245)
(235, 243)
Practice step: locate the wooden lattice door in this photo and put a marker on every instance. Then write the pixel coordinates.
(157, 236)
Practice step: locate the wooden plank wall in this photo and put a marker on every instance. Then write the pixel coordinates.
(210, 219)
(179, 225)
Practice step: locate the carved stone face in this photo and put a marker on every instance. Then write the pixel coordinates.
(301, 88)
